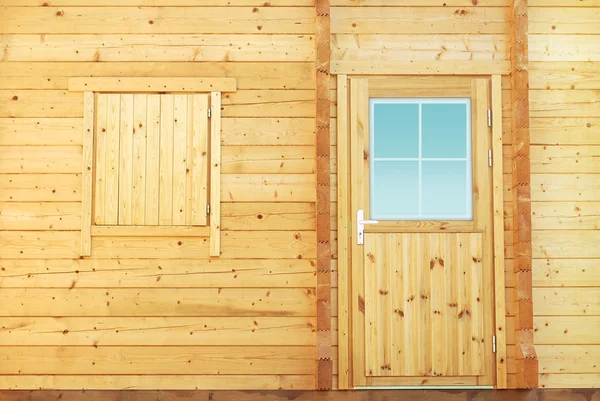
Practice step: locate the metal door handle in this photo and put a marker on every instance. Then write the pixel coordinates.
(360, 226)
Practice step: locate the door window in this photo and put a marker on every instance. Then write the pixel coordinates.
(421, 159)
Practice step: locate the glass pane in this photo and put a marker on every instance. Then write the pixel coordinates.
(396, 130)
(446, 190)
(444, 130)
(395, 188)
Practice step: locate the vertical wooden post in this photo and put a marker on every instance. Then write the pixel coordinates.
(498, 205)
(527, 364)
(87, 173)
(215, 174)
(324, 357)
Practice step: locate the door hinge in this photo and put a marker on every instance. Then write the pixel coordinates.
(490, 158)
(208, 112)
(489, 117)
(207, 209)
(494, 343)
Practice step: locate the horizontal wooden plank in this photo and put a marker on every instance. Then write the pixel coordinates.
(40, 103)
(565, 131)
(565, 187)
(159, 302)
(267, 131)
(446, 20)
(268, 159)
(158, 331)
(564, 47)
(565, 243)
(568, 358)
(268, 188)
(40, 82)
(152, 84)
(149, 231)
(564, 75)
(235, 245)
(566, 329)
(564, 3)
(395, 3)
(158, 20)
(269, 103)
(419, 47)
(157, 273)
(39, 244)
(148, 47)
(40, 216)
(40, 187)
(40, 159)
(268, 216)
(40, 131)
(566, 301)
(562, 20)
(562, 380)
(173, 360)
(157, 3)
(565, 159)
(566, 273)
(564, 103)
(565, 215)
(439, 67)
(149, 382)
(249, 75)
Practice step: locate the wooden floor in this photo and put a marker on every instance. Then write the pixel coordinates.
(379, 395)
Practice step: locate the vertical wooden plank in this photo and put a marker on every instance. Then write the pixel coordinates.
(138, 211)
(87, 175)
(165, 203)
(359, 116)
(179, 158)
(152, 159)
(189, 158)
(372, 357)
(200, 171)
(111, 206)
(215, 174)
(464, 304)
(498, 205)
(343, 215)
(412, 322)
(452, 271)
(126, 160)
(399, 261)
(476, 304)
(101, 158)
(437, 264)
(424, 301)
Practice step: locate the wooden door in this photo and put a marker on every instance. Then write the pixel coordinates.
(422, 289)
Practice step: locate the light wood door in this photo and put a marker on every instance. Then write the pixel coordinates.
(422, 289)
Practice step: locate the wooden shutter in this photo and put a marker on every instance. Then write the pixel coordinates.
(151, 160)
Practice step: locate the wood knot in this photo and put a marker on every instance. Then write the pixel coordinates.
(255, 10)
(476, 260)
(259, 27)
(424, 296)
(371, 257)
(179, 243)
(589, 125)
(462, 13)
(475, 2)
(15, 98)
(151, 22)
(361, 304)
(383, 292)
(60, 13)
(260, 216)
(399, 312)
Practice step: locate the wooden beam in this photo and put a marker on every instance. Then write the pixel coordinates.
(150, 231)
(152, 84)
(215, 174)
(498, 206)
(324, 356)
(527, 365)
(87, 173)
(473, 67)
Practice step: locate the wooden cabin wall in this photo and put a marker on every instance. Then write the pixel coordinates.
(413, 30)
(564, 73)
(150, 313)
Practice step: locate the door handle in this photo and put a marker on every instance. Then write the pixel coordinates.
(360, 226)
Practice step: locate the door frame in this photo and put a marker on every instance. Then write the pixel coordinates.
(345, 220)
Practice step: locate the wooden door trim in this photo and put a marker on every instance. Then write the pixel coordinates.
(346, 378)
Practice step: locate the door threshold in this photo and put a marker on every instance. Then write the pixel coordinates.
(424, 388)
